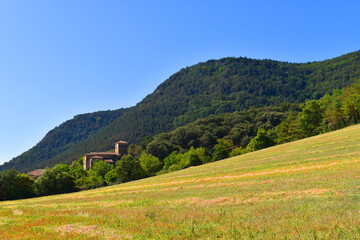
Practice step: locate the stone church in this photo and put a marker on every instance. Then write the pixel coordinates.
(109, 157)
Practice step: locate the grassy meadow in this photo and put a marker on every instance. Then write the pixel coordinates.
(309, 189)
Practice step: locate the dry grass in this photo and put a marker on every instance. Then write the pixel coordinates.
(90, 231)
(309, 189)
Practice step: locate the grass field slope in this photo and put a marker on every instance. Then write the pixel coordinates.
(309, 189)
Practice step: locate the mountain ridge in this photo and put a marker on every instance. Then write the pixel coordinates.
(211, 87)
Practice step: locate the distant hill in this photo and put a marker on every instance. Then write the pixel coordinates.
(212, 87)
(62, 138)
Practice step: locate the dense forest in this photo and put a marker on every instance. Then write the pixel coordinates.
(238, 127)
(213, 87)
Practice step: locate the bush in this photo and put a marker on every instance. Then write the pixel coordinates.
(162, 171)
(89, 182)
(175, 167)
(236, 151)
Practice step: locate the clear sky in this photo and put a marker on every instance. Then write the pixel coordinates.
(60, 58)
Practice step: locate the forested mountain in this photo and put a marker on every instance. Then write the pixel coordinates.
(212, 87)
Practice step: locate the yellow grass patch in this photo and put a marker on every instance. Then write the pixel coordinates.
(89, 230)
(93, 231)
(244, 200)
(17, 212)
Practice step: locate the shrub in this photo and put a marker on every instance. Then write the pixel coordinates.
(174, 168)
(236, 151)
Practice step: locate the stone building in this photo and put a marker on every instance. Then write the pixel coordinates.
(110, 157)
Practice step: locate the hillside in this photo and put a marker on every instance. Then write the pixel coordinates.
(212, 87)
(308, 189)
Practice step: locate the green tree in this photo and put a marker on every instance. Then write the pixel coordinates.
(173, 159)
(81, 160)
(77, 170)
(7, 180)
(220, 152)
(237, 151)
(115, 176)
(334, 117)
(15, 186)
(186, 137)
(150, 164)
(145, 141)
(262, 140)
(227, 143)
(22, 187)
(288, 130)
(221, 149)
(101, 168)
(55, 181)
(311, 118)
(63, 168)
(130, 167)
(190, 158)
(194, 157)
(351, 103)
(160, 148)
(203, 155)
(134, 150)
(90, 181)
(207, 140)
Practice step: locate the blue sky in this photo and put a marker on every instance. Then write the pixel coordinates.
(61, 58)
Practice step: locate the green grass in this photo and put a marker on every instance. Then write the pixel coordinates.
(309, 189)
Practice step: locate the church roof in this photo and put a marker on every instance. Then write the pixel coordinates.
(36, 173)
